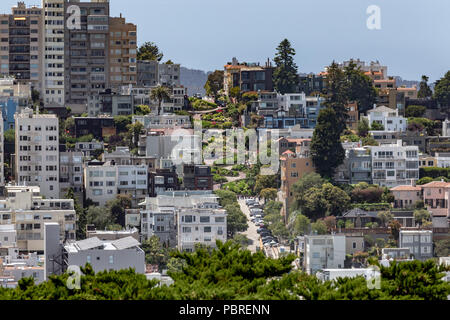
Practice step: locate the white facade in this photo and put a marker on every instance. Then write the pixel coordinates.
(292, 101)
(443, 160)
(37, 151)
(53, 59)
(100, 182)
(395, 165)
(8, 236)
(133, 181)
(107, 255)
(419, 242)
(387, 117)
(324, 252)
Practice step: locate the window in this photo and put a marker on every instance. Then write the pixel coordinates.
(354, 245)
(204, 219)
(207, 229)
(220, 219)
(111, 259)
(187, 230)
(88, 259)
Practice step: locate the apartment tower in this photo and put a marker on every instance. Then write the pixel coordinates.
(37, 155)
(53, 58)
(21, 44)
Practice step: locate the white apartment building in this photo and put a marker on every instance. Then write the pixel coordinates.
(100, 182)
(133, 181)
(37, 151)
(292, 102)
(394, 164)
(106, 255)
(324, 252)
(387, 117)
(14, 267)
(103, 181)
(443, 159)
(53, 69)
(419, 242)
(8, 236)
(28, 211)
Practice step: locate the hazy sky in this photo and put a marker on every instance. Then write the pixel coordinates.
(204, 34)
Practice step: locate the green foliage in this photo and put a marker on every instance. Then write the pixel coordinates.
(326, 148)
(142, 110)
(377, 126)
(434, 173)
(100, 217)
(422, 216)
(299, 188)
(117, 207)
(269, 194)
(265, 182)
(320, 227)
(423, 123)
(235, 92)
(121, 123)
(302, 225)
(363, 127)
(285, 76)
(424, 90)
(442, 248)
(415, 111)
(367, 195)
(359, 87)
(214, 83)
(442, 90)
(385, 217)
(160, 94)
(202, 105)
(236, 219)
(156, 253)
(149, 51)
(10, 136)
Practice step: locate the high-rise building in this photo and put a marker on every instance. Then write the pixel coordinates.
(86, 51)
(37, 155)
(123, 52)
(21, 44)
(53, 56)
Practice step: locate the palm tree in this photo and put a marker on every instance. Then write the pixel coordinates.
(160, 93)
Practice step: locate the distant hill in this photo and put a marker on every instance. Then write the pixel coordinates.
(194, 80)
(408, 83)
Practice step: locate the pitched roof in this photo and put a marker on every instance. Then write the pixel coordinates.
(357, 212)
(406, 188)
(436, 184)
(382, 109)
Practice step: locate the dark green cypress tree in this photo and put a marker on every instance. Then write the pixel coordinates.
(285, 76)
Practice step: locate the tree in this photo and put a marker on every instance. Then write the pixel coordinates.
(235, 92)
(442, 248)
(442, 90)
(360, 87)
(325, 201)
(300, 187)
(160, 94)
(121, 123)
(385, 217)
(236, 219)
(327, 152)
(422, 216)
(10, 136)
(363, 127)
(337, 96)
(100, 217)
(424, 89)
(133, 132)
(377, 126)
(285, 76)
(367, 195)
(214, 83)
(302, 225)
(142, 110)
(320, 227)
(149, 51)
(35, 96)
(155, 252)
(395, 229)
(265, 182)
(117, 208)
(330, 222)
(241, 240)
(415, 111)
(269, 194)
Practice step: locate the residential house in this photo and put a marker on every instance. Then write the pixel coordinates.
(323, 252)
(388, 118)
(442, 159)
(197, 177)
(99, 127)
(406, 197)
(248, 76)
(419, 242)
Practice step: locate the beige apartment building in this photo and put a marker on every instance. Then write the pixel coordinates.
(37, 155)
(21, 44)
(25, 208)
(123, 53)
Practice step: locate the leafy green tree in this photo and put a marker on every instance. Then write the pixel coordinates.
(363, 127)
(279, 229)
(415, 111)
(424, 89)
(121, 123)
(241, 240)
(156, 253)
(160, 94)
(269, 194)
(377, 126)
(285, 76)
(133, 132)
(423, 123)
(422, 216)
(300, 187)
(265, 182)
(10, 136)
(442, 248)
(149, 51)
(330, 222)
(302, 225)
(442, 90)
(214, 83)
(142, 110)
(235, 92)
(100, 217)
(117, 208)
(349, 224)
(360, 87)
(395, 229)
(236, 219)
(326, 148)
(325, 201)
(320, 227)
(385, 217)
